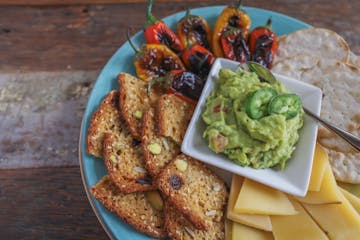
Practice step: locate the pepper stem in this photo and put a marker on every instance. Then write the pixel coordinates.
(163, 80)
(150, 19)
(268, 23)
(238, 5)
(136, 50)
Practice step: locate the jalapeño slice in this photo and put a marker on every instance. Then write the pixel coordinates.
(256, 105)
(288, 105)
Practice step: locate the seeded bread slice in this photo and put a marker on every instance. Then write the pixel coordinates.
(194, 190)
(125, 163)
(174, 116)
(105, 119)
(158, 151)
(134, 101)
(133, 208)
(179, 228)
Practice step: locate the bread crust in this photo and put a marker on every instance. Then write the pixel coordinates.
(173, 116)
(125, 163)
(106, 118)
(202, 194)
(135, 99)
(169, 149)
(132, 208)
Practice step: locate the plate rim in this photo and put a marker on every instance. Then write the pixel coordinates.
(91, 200)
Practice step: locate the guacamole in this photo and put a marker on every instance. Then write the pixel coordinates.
(254, 123)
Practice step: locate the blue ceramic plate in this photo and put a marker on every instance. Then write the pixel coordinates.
(93, 169)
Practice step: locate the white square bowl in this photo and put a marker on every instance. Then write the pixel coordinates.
(294, 179)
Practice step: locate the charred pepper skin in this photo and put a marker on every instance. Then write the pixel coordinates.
(263, 45)
(156, 32)
(192, 29)
(198, 60)
(154, 60)
(234, 45)
(231, 16)
(184, 84)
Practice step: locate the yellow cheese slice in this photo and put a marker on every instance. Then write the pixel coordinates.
(352, 188)
(253, 220)
(339, 221)
(354, 200)
(328, 192)
(296, 227)
(243, 232)
(318, 168)
(228, 229)
(256, 198)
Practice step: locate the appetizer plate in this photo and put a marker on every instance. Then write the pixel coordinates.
(294, 179)
(92, 169)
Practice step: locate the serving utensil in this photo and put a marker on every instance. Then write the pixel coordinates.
(265, 75)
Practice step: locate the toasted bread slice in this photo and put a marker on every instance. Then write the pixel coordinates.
(194, 190)
(158, 151)
(133, 208)
(134, 101)
(105, 119)
(125, 163)
(174, 116)
(179, 228)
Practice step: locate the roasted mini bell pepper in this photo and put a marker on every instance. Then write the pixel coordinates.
(192, 30)
(234, 45)
(157, 32)
(186, 85)
(263, 45)
(154, 60)
(233, 16)
(198, 60)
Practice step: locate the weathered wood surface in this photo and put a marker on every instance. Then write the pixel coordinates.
(50, 203)
(84, 37)
(47, 203)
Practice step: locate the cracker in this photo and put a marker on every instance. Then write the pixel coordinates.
(134, 101)
(105, 119)
(179, 228)
(194, 190)
(340, 83)
(174, 115)
(132, 208)
(154, 161)
(313, 41)
(125, 163)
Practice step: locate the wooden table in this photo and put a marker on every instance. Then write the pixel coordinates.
(56, 52)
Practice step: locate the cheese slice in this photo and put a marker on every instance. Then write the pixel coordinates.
(328, 192)
(256, 198)
(354, 200)
(228, 230)
(243, 232)
(318, 168)
(339, 221)
(253, 220)
(352, 188)
(296, 227)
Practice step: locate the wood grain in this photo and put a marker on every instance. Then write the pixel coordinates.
(46, 203)
(83, 37)
(75, 2)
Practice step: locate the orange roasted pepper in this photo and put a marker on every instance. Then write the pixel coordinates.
(231, 16)
(192, 29)
(155, 60)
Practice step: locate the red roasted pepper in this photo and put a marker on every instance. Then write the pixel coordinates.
(157, 32)
(198, 60)
(234, 45)
(231, 16)
(263, 45)
(193, 29)
(154, 60)
(186, 85)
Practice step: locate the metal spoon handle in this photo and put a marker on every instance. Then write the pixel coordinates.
(348, 137)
